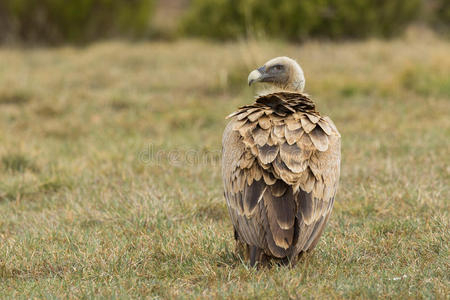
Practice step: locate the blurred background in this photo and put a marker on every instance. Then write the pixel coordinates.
(111, 116)
(80, 21)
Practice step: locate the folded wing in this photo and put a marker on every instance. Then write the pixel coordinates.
(281, 169)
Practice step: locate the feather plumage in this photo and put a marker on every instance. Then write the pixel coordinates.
(281, 162)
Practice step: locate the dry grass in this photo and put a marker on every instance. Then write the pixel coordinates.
(110, 180)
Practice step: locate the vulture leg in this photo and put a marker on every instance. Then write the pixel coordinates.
(239, 247)
(255, 255)
(299, 256)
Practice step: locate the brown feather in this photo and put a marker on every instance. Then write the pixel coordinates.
(306, 204)
(283, 205)
(268, 178)
(330, 122)
(283, 171)
(278, 212)
(292, 124)
(238, 124)
(255, 116)
(325, 127)
(244, 113)
(267, 153)
(246, 129)
(317, 232)
(278, 189)
(271, 141)
(290, 155)
(307, 125)
(272, 148)
(260, 136)
(252, 195)
(293, 136)
(313, 118)
(264, 122)
(305, 232)
(309, 184)
(278, 130)
(305, 142)
(319, 139)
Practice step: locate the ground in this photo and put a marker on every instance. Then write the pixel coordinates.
(110, 181)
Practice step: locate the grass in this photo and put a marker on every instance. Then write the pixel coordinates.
(110, 182)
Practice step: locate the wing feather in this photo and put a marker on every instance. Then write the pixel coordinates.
(281, 169)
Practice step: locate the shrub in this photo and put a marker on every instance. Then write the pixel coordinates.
(221, 19)
(284, 19)
(441, 16)
(230, 19)
(298, 19)
(363, 18)
(73, 21)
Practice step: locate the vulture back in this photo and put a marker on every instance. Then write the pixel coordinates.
(280, 168)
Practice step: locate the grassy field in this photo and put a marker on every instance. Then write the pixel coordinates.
(110, 182)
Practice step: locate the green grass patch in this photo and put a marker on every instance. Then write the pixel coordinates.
(427, 81)
(116, 191)
(17, 162)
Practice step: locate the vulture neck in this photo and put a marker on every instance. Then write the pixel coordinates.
(295, 84)
(271, 89)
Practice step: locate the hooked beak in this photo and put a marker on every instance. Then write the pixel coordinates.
(256, 75)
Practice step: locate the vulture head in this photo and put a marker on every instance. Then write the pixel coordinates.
(281, 72)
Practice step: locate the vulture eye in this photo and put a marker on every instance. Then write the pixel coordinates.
(278, 67)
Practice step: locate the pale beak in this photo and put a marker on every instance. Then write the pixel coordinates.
(254, 75)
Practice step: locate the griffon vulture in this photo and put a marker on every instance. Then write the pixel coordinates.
(280, 167)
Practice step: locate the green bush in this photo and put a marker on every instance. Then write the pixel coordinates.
(221, 19)
(299, 19)
(229, 19)
(363, 18)
(442, 15)
(73, 21)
